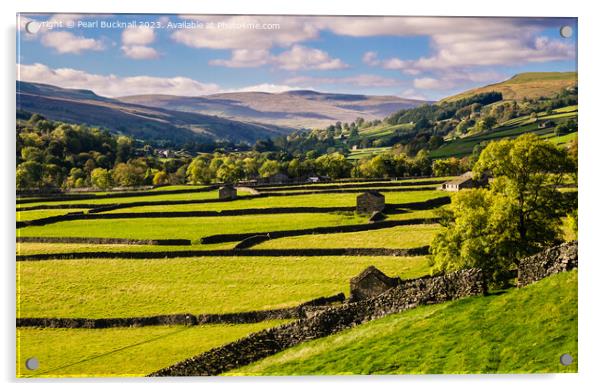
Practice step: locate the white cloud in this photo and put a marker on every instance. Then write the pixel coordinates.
(464, 42)
(112, 85)
(449, 80)
(138, 35)
(362, 80)
(297, 58)
(241, 32)
(66, 42)
(370, 58)
(244, 58)
(301, 57)
(115, 86)
(455, 42)
(266, 87)
(140, 52)
(135, 41)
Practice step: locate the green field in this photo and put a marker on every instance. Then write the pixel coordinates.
(189, 227)
(366, 152)
(308, 200)
(201, 195)
(59, 248)
(519, 331)
(397, 237)
(120, 351)
(42, 213)
(510, 129)
(117, 287)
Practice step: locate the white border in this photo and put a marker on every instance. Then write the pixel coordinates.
(590, 108)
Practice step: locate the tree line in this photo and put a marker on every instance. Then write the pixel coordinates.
(58, 155)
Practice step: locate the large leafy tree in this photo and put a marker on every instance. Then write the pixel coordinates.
(518, 215)
(198, 171)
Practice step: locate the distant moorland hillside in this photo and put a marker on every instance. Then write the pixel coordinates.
(142, 122)
(530, 85)
(298, 109)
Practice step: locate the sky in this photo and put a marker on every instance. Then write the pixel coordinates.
(193, 55)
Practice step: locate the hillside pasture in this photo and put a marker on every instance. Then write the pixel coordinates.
(120, 287)
(113, 286)
(512, 129)
(397, 237)
(519, 331)
(120, 351)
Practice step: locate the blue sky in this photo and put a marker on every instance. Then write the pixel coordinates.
(414, 57)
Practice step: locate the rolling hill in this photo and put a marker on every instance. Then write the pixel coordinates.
(525, 85)
(298, 109)
(149, 123)
(518, 331)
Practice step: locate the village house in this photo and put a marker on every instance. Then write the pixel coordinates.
(464, 181)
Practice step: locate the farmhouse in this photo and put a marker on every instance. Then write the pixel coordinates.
(370, 202)
(464, 181)
(371, 283)
(227, 192)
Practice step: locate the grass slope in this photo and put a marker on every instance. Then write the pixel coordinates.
(120, 351)
(520, 331)
(397, 237)
(511, 129)
(529, 85)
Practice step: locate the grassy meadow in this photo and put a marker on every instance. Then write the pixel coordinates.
(518, 331)
(120, 351)
(510, 129)
(119, 287)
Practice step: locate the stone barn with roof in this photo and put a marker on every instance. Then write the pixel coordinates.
(227, 192)
(370, 202)
(371, 283)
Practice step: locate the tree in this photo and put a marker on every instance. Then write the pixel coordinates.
(528, 170)
(32, 154)
(128, 174)
(294, 168)
(475, 234)
(561, 129)
(124, 148)
(29, 175)
(488, 123)
(101, 178)
(198, 171)
(251, 167)
(269, 168)
(76, 178)
(230, 172)
(519, 215)
(448, 167)
(335, 165)
(160, 178)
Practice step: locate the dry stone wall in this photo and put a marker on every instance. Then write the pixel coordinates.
(408, 294)
(300, 311)
(551, 261)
